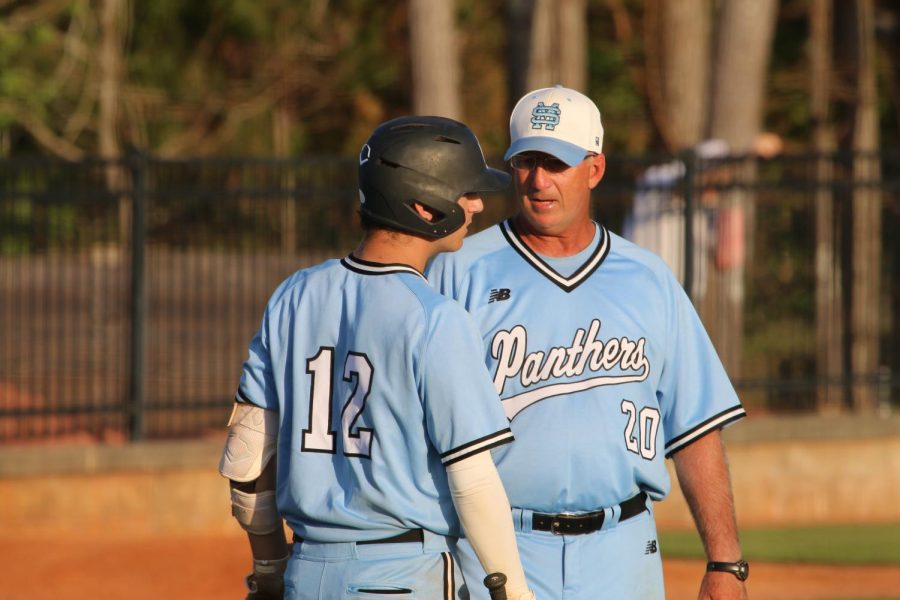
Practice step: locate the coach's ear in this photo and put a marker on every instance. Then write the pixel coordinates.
(598, 169)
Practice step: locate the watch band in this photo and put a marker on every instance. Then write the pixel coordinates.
(740, 569)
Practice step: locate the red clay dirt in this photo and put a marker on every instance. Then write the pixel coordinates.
(212, 568)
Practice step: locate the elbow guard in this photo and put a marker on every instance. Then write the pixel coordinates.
(251, 444)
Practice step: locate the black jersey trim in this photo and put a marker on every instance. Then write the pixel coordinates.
(566, 283)
(449, 576)
(365, 267)
(726, 417)
(504, 436)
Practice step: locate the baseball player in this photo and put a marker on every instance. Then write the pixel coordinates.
(603, 368)
(364, 414)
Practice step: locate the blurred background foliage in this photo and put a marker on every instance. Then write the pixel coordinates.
(239, 122)
(279, 77)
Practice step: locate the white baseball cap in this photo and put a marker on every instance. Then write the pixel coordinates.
(558, 121)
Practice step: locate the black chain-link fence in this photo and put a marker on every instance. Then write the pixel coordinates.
(129, 290)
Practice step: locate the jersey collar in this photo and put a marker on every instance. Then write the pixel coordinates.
(365, 267)
(566, 283)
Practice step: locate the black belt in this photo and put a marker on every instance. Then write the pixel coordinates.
(410, 535)
(565, 524)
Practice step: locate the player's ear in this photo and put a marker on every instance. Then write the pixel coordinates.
(424, 212)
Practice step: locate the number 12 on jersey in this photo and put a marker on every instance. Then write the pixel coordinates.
(321, 437)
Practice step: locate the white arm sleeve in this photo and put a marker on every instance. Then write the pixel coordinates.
(485, 514)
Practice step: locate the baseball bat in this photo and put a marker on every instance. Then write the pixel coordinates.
(496, 585)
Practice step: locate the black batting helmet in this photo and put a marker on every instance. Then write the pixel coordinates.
(430, 160)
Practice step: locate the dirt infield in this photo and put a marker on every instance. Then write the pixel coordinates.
(211, 568)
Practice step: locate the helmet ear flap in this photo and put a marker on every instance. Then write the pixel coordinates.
(430, 160)
(402, 214)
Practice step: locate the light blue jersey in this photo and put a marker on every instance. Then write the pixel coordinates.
(603, 371)
(379, 385)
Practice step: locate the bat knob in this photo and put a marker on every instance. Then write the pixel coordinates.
(495, 581)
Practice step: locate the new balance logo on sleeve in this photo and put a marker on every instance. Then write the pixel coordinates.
(498, 294)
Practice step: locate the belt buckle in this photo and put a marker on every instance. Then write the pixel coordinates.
(556, 523)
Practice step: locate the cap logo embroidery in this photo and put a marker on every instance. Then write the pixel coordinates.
(364, 154)
(545, 116)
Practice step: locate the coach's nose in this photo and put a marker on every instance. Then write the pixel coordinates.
(540, 177)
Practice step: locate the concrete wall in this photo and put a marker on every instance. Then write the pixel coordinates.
(784, 471)
(806, 471)
(154, 488)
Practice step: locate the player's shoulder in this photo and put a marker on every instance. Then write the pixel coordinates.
(399, 287)
(431, 301)
(320, 274)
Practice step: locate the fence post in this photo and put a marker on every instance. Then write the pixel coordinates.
(138, 166)
(689, 158)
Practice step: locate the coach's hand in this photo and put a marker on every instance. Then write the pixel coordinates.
(266, 582)
(722, 586)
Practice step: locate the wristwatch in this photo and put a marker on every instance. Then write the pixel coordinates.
(740, 569)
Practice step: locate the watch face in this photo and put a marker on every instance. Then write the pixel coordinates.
(743, 570)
